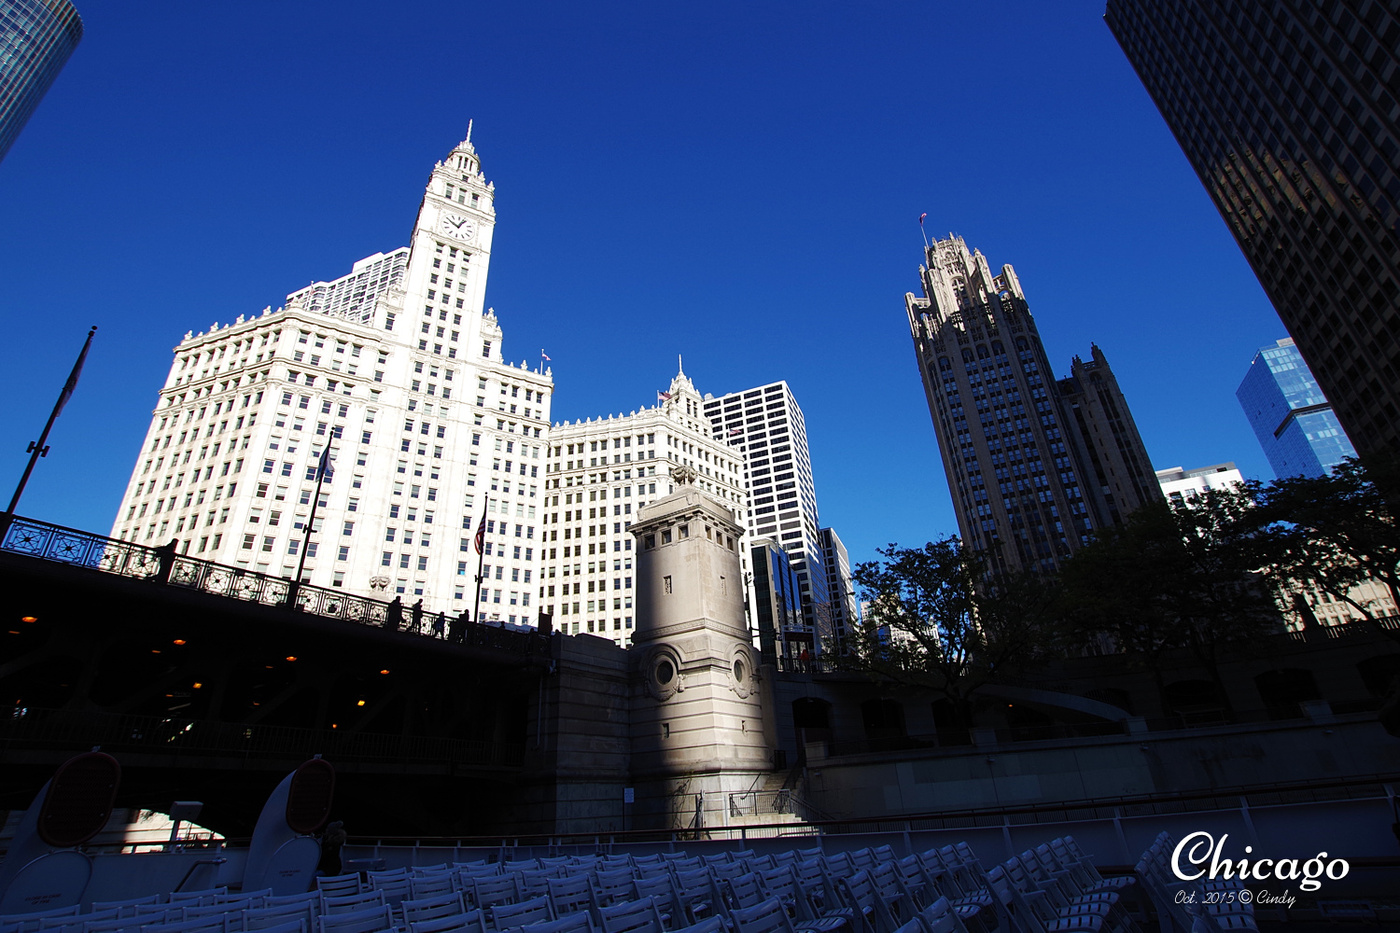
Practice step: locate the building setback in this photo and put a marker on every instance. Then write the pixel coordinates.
(36, 39)
(766, 425)
(1034, 466)
(398, 368)
(1108, 437)
(1292, 418)
(845, 609)
(1288, 113)
(601, 471)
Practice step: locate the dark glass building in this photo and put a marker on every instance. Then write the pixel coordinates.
(1290, 415)
(1034, 465)
(36, 38)
(1288, 112)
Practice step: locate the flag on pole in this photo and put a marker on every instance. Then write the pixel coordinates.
(921, 218)
(663, 396)
(734, 431)
(481, 535)
(546, 356)
(72, 382)
(324, 470)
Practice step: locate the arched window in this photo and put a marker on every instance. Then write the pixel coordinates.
(982, 352)
(884, 723)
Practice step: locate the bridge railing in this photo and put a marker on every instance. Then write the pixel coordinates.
(176, 735)
(47, 541)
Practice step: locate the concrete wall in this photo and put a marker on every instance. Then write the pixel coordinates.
(1096, 769)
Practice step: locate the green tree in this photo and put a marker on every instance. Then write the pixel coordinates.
(938, 621)
(1174, 578)
(1333, 532)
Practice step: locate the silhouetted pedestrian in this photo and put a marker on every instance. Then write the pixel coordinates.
(165, 560)
(417, 618)
(439, 624)
(331, 842)
(393, 617)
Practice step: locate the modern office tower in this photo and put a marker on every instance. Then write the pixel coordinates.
(845, 609)
(1024, 479)
(775, 599)
(1287, 111)
(36, 39)
(1181, 486)
(430, 430)
(767, 425)
(1293, 420)
(600, 472)
(1108, 437)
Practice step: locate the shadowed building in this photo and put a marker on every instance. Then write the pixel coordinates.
(1288, 113)
(698, 722)
(36, 39)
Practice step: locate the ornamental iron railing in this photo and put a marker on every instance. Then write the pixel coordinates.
(45, 541)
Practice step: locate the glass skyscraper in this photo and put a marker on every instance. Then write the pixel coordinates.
(36, 38)
(1293, 420)
(1289, 111)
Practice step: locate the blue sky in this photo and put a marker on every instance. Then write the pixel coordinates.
(737, 182)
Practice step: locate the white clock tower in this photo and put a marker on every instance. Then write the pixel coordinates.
(451, 246)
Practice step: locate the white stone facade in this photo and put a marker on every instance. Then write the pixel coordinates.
(1181, 485)
(601, 471)
(398, 367)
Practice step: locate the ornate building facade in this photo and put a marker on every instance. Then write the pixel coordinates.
(397, 368)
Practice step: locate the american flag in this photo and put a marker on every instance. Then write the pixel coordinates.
(481, 535)
(663, 396)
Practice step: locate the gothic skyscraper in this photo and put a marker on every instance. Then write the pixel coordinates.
(1034, 466)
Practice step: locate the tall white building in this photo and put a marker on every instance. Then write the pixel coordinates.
(765, 425)
(1180, 485)
(601, 471)
(398, 367)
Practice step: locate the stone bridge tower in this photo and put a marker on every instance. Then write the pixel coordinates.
(701, 730)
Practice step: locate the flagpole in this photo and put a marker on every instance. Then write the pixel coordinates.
(310, 522)
(38, 448)
(480, 558)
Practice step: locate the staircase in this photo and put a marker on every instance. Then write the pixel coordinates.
(777, 800)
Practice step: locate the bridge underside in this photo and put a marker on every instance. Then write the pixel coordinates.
(203, 697)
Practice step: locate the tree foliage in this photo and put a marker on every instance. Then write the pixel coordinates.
(1174, 578)
(1332, 532)
(936, 620)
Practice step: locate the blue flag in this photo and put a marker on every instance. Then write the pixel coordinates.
(324, 470)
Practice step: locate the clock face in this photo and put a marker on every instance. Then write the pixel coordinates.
(457, 226)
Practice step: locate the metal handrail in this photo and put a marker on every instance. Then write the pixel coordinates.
(45, 541)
